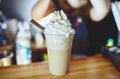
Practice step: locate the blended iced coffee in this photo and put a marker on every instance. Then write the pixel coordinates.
(59, 35)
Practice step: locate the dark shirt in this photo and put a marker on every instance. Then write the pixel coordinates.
(100, 32)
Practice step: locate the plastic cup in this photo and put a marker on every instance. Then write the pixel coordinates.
(59, 53)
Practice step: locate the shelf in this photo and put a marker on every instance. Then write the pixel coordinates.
(33, 47)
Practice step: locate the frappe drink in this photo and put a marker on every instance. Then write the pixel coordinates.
(59, 35)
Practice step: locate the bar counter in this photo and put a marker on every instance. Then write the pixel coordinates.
(92, 67)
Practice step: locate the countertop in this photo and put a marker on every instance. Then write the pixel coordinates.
(92, 67)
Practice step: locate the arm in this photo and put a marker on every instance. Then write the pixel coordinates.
(99, 10)
(39, 9)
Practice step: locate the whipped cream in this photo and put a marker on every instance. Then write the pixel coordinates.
(57, 24)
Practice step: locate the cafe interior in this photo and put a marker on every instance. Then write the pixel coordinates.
(95, 51)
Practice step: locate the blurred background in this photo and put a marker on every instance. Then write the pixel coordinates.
(14, 13)
(19, 9)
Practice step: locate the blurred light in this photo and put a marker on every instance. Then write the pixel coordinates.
(110, 42)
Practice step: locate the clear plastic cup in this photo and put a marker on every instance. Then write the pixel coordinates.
(59, 53)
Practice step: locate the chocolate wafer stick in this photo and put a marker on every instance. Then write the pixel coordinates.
(37, 24)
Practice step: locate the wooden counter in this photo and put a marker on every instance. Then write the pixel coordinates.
(95, 67)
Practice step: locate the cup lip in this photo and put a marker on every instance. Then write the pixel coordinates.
(58, 35)
(58, 38)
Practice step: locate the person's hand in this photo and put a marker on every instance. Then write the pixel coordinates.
(100, 9)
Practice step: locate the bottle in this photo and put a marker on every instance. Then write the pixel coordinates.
(39, 40)
(23, 44)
